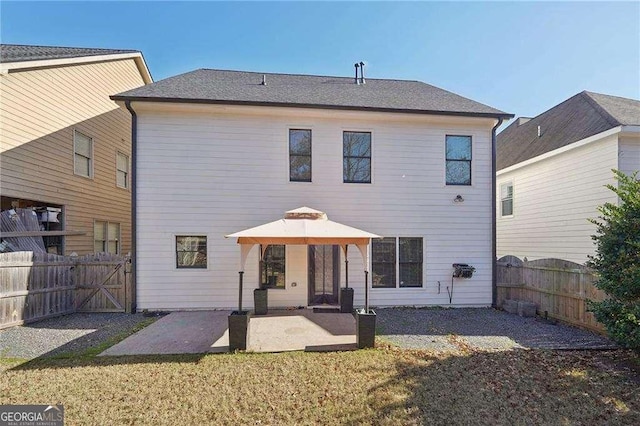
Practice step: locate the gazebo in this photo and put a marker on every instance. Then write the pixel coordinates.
(302, 226)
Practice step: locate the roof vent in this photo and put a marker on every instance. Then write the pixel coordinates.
(539, 132)
(356, 80)
(362, 73)
(264, 80)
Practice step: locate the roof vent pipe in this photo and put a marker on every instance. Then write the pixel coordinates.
(264, 80)
(362, 73)
(356, 65)
(539, 132)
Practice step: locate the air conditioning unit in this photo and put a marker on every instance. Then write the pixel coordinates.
(462, 270)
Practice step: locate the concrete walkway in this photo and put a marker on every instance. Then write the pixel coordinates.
(207, 331)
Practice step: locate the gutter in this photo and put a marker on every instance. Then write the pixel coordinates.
(497, 115)
(134, 198)
(494, 193)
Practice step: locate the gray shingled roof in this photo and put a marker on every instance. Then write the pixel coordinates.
(22, 53)
(245, 88)
(579, 117)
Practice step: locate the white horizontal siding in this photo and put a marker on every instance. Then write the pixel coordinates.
(553, 200)
(629, 155)
(216, 174)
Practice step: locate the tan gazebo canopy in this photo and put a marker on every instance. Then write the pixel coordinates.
(303, 226)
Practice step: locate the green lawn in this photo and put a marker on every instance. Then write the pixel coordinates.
(381, 386)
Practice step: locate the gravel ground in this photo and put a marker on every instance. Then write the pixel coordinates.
(486, 329)
(73, 333)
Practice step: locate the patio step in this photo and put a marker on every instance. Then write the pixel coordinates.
(327, 310)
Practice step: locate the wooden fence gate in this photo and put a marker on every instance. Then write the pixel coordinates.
(34, 286)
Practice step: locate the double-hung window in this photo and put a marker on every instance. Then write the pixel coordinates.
(458, 160)
(82, 154)
(506, 199)
(106, 237)
(356, 151)
(122, 170)
(273, 267)
(299, 155)
(397, 262)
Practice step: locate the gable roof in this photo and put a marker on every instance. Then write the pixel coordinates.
(21, 57)
(307, 91)
(577, 118)
(22, 52)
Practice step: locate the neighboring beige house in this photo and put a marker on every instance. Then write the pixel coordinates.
(401, 159)
(552, 172)
(65, 145)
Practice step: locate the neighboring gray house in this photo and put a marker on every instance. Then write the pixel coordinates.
(552, 170)
(222, 151)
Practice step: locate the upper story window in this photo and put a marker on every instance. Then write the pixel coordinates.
(82, 154)
(458, 156)
(404, 255)
(356, 157)
(191, 252)
(506, 199)
(273, 267)
(299, 155)
(122, 170)
(106, 237)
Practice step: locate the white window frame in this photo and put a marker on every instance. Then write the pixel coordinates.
(397, 265)
(92, 155)
(126, 172)
(503, 188)
(105, 242)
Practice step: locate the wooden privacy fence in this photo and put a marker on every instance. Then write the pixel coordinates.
(559, 288)
(34, 286)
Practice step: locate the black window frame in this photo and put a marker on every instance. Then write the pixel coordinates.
(348, 157)
(198, 250)
(393, 262)
(419, 262)
(296, 155)
(455, 160)
(268, 262)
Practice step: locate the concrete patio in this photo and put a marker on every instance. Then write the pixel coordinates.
(207, 332)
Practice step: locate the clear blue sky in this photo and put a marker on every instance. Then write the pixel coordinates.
(520, 57)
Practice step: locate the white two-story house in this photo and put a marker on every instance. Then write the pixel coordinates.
(552, 172)
(217, 152)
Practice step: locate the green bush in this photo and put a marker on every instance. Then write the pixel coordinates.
(617, 262)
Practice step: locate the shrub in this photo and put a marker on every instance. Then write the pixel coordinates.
(617, 262)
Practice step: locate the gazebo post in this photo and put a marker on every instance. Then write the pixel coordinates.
(346, 294)
(366, 292)
(239, 320)
(365, 318)
(241, 274)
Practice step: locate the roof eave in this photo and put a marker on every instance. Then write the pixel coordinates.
(7, 67)
(503, 115)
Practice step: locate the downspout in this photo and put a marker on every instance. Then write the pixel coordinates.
(134, 198)
(494, 250)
